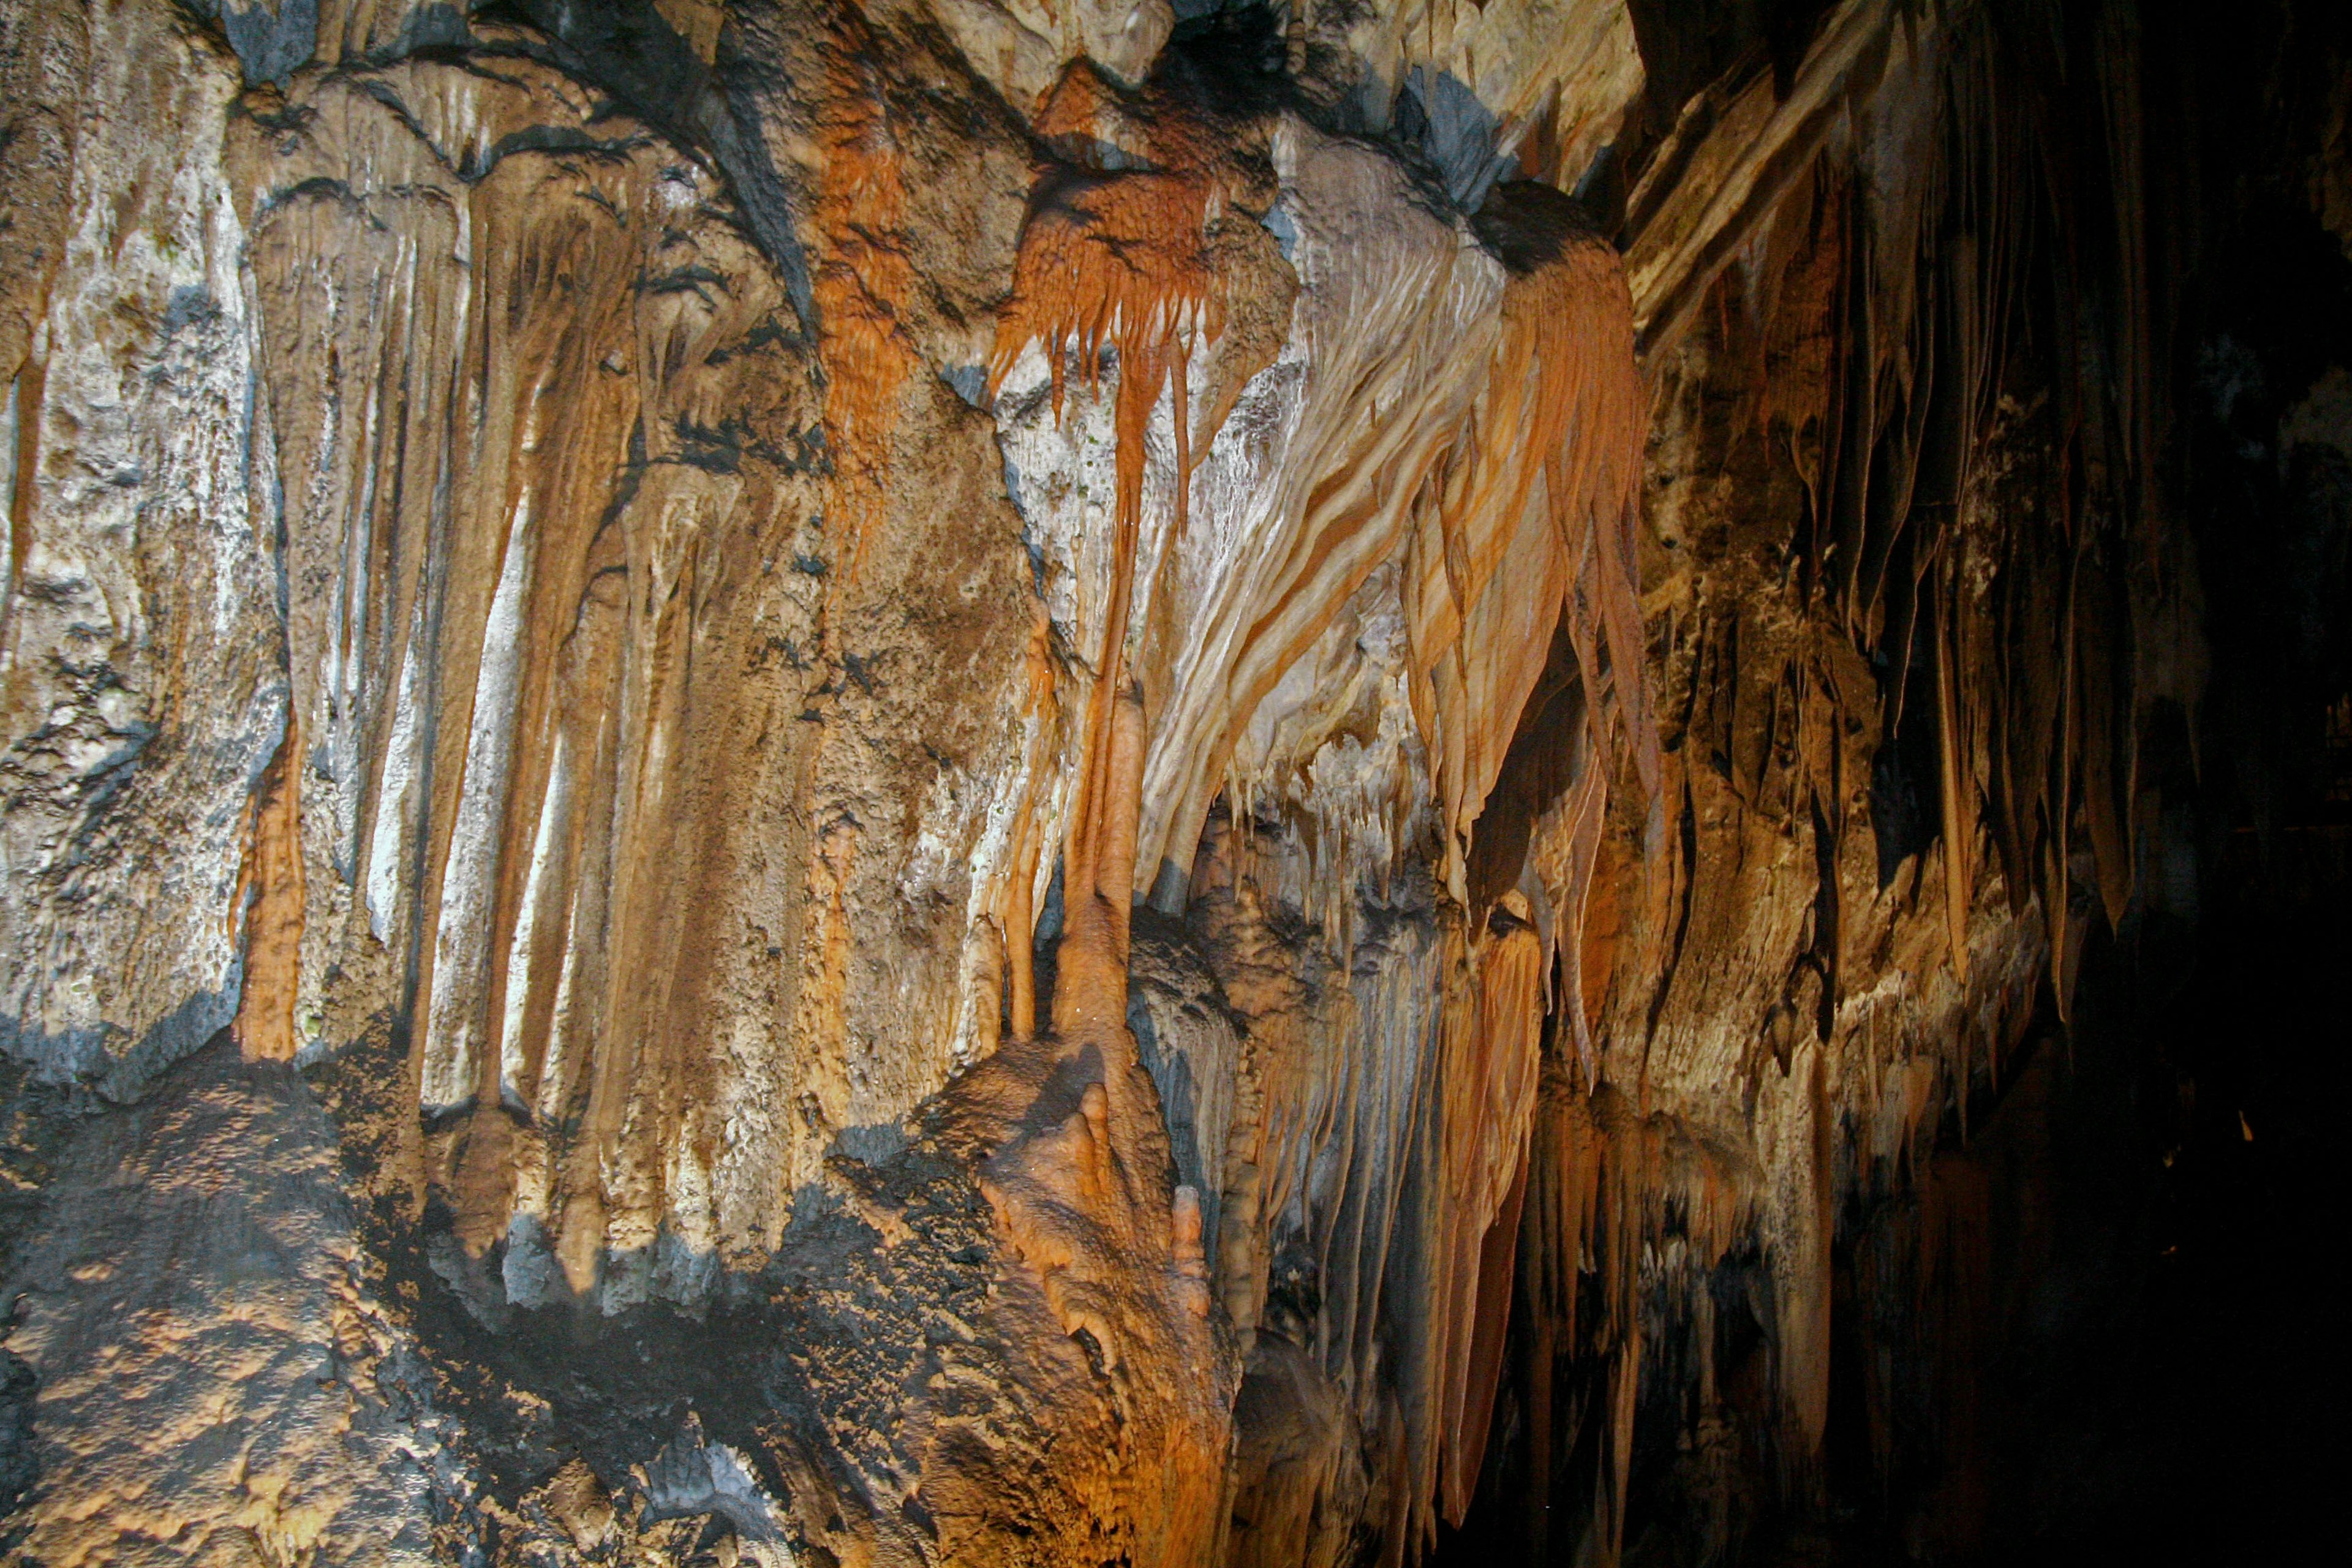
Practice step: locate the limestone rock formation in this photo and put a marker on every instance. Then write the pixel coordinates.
(1061, 783)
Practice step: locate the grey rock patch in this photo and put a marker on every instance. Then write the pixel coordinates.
(196, 1359)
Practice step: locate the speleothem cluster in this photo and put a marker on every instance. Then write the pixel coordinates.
(1043, 781)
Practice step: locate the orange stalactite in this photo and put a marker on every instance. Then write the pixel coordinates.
(1548, 460)
(1494, 1025)
(1090, 992)
(1531, 522)
(1564, 405)
(1957, 788)
(272, 878)
(1592, 385)
(861, 285)
(1602, 1183)
(1016, 909)
(1116, 260)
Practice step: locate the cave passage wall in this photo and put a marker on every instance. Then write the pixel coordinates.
(1062, 782)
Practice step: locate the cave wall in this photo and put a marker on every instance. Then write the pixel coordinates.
(1020, 782)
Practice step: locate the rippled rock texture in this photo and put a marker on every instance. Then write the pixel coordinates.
(1050, 781)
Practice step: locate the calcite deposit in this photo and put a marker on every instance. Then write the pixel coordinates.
(1069, 782)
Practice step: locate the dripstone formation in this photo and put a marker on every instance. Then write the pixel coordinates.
(1049, 782)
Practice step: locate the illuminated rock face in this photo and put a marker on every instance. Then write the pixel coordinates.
(1043, 784)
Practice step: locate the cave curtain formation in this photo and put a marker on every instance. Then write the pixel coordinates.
(1067, 783)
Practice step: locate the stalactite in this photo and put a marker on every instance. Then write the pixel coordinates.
(1118, 261)
(1957, 789)
(1112, 261)
(270, 891)
(1489, 1058)
(1560, 429)
(1115, 260)
(1545, 462)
